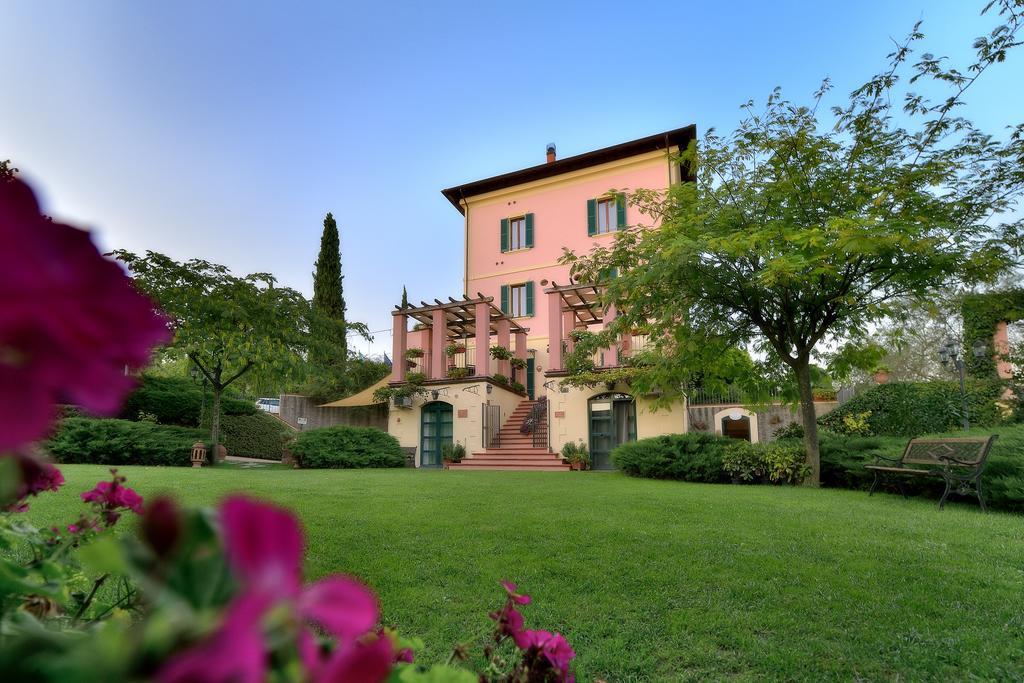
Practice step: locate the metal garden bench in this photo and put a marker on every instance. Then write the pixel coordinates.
(959, 461)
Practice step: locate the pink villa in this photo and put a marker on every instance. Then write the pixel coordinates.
(489, 362)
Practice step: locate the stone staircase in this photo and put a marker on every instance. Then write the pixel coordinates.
(516, 451)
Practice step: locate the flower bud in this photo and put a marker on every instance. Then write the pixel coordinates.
(161, 525)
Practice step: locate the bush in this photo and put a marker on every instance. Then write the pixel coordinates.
(122, 442)
(914, 408)
(778, 462)
(689, 457)
(347, 447)
(177, 401)
(792, 430)
(254, 436)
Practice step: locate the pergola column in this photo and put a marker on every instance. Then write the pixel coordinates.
(554, 331)
(503, 341)
(400, 323)
(521, 351)
(482, 320)
(438, 335)
(612, 352)
(569, 324)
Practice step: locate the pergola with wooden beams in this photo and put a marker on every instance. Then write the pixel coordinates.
(568, 307)
(454, 321)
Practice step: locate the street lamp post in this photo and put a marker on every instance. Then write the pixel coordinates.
(949, 353)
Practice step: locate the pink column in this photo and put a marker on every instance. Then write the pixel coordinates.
(1001, 345)
(568, 325)
(521, 354)
(482, 314)
(554, 332)
(438, 335)
(611, 353)
(504, 329)
(399, 322)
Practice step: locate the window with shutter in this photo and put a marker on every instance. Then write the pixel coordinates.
(591, 216)
(504, 234)
(520, 300)
(620, 211)
(519, 232)
(529, 298)
(529, 231)
(607, 216)
(504, 299)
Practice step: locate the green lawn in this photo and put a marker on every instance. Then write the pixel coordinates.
(656, 580)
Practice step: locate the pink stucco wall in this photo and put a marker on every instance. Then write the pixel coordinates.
(560, 220)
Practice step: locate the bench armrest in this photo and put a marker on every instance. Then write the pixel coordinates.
(886, 458)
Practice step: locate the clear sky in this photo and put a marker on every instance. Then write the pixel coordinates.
(226, 130)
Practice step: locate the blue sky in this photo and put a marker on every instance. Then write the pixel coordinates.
(226, 130)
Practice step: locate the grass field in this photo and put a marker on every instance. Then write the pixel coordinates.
(655, 580)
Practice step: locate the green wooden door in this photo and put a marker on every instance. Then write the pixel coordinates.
(435, 431)
(612, 422)
(529, 378)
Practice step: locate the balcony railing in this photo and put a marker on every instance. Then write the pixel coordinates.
(461, 364)
(629, 346)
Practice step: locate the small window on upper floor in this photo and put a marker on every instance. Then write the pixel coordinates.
(517, 300)
(517, 233)
(606, 215)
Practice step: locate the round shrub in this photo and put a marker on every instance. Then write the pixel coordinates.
(347, 447)
(254, 436)
(689, 457)
(121, 442)
(914, 408)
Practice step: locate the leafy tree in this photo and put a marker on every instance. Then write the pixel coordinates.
(6, 170)
(226, 325)
(329, 349)
(801, 230)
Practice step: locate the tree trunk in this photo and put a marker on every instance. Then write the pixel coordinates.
(809, 419)
(215, 423)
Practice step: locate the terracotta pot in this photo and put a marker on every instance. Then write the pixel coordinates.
(222, 452)
(881, 377)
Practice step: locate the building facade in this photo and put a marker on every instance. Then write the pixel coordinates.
(508, 407)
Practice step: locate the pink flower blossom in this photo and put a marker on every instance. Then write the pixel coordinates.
(553, 646)
(518, 598)
(70, 321)
(113, 496)
(35, 476)
(264, 547)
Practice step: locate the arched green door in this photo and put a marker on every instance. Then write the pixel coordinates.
(612, 422)
(435, 431)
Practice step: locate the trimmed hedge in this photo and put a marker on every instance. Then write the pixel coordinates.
(696, 456)
(911, 409)
(176, 401)
(122, 442)
(254, 436)
(347, 447)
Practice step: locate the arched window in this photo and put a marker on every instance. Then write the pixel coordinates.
(737, 423)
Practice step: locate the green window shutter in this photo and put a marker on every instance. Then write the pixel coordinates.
(591, 216)
(620, 210)
(529, 230)
(504, 234)
(529, 298)
(504, 299)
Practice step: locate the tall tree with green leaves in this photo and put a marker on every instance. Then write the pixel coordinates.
(329, 349)
(225, 324)
(802, 229)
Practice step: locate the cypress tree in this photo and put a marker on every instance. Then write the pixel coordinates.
(405, 298)
(330, 348)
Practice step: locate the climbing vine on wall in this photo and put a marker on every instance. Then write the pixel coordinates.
(981, 313)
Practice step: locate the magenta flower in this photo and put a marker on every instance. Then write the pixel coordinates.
(264, 547)
(111, 497)
(70, 321)
(36, 475)
(518, 598)
(553, 646)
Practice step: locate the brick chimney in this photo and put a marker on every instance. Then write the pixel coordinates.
(551, 152)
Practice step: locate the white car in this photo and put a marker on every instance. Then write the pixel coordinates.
(269, 405)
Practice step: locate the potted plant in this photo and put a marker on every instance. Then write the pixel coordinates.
(582, 456)
(518, 363)
(500, 353)
(414, 352)
(458, 373)
(569, 455)
(416, 378)
(518, 387)
(454, 349)
(881, 373)
(452, 452)
(499, 378)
